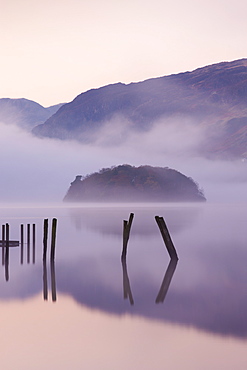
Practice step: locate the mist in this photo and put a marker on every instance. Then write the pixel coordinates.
(41, 170)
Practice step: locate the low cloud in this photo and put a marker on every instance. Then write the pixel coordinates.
(34, 169)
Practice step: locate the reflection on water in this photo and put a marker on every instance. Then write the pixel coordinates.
(45, 281)
(167, 280)
(164, 286)
(210, 241)
(68, 336)
(106, 220)
(53, 281)
(202, 318)
(126, 282)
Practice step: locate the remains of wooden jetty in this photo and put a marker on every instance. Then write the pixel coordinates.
(11, 243)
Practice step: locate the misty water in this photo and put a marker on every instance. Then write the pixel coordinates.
(90, 311)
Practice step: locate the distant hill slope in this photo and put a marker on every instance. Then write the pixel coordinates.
(25, 113)
(126, 183)
(213, 97)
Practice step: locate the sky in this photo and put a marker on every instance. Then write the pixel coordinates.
(51, 51)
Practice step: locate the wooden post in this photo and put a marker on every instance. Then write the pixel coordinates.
(22, 234)
(125, 238)
(7, 254)
(166, 237)
(3, 244)
(45, 238)
(53, 237)
(28, 243)
(22, 242)
(34, 235)
(126, 234)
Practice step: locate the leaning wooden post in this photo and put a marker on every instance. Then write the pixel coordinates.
(45, 237)
(126, 234)
(166, 237)
(125, 241)
(22, 242)
(3, 243)
(53, 237)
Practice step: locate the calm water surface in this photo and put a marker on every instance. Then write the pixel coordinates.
(90, 311)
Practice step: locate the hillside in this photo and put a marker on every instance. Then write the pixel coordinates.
(126, 183)
(24, 113)
(213, 98)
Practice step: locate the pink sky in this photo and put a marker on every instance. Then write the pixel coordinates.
(53, 50)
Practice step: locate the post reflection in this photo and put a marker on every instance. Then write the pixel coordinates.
(166, 281)
(127, 293)
(53, 281)
(45, 281)
(126, 283)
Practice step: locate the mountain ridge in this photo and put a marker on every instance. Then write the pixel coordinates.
(209, 96)
(24, 112)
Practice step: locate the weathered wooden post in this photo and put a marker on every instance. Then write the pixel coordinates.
(53, 238)
(126, 234)
(7, 254)
(45, 237)
(22, 242)
(125, 238)
(166, 237)
(34, 235)
(3, 244)
(28, 243)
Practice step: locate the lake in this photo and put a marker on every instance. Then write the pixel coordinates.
(89, 310)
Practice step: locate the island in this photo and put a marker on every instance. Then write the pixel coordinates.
(126, 183)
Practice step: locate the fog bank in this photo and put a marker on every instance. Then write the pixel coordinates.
(34, 169)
